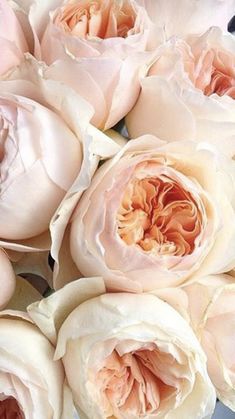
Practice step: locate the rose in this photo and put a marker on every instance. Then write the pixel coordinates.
(7, 279)
(121, 361)
(45, 140)
(97, 48)
(12, 40)
(152, 216)
(208, 306)
(188, 92)
(184, 17)
(32, 384)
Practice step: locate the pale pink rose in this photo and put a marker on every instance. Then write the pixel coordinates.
(208, 305)
(156, 215)
(45, 140)
(32, 384)
(184, 17)
(7, 279)
(97, 48)
(125, 355)
(12, 40)
(189, 91)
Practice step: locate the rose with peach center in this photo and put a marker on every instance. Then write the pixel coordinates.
(153, 218)
(102, 19)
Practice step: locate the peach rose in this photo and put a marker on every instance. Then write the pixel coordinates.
(208, 305)
(184, 17)
(97, 48)
(12, 40)
(48, 153)
(153, 217)
(189, 91)
(7, 279)
(31, 382)
(123, 362)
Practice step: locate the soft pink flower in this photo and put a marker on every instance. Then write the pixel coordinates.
(7, 279)
(125, 355)
(188, 92)
(12, 40)
(152, 216)
(97, 48)
(208, 306)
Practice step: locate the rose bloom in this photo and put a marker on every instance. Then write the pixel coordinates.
(95, 47)
(189, 91)
(32, 383)
(124, 362)
(12, 39)
(154, 218)
(184, 17)
(7, 279)
(208, 305)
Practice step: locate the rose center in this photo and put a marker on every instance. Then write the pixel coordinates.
(9, 409)
(216, 74)
(136, 382)
(158, 215)
(103, 19)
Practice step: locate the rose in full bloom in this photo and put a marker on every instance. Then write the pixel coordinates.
(184, 17)
(208, 306)
(31, 382)
(156, 215)
(189, 91)
(95, 47)
(12, 40)
(7, 279)
(125, 355)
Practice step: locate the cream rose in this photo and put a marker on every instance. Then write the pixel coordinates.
(12, 40)
(7, 279)
(153, 217)
(97, 48)
(48, 153)
(211, 312)
(189, 91)
(124, 362)
(31, 382)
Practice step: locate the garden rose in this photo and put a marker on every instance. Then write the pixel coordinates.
(12, 40)
(184, 17)
(188, 92)
(122, 362)
(208, 306)
(7, 279)
(153, 218)
(32, 383)
(96, 48)
(44, 128)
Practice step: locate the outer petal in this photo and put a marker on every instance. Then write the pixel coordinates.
(7, 279)
(185, 16)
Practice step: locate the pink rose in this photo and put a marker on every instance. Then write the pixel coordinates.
(32, 384)
(7, 279)
(12, 40)
(208, 306)
(152, 216)
(189, 92)
(125, 355)
(97, 48)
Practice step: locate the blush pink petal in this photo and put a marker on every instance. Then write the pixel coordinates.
(7, 280)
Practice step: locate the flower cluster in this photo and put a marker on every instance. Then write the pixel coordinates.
(117, 209)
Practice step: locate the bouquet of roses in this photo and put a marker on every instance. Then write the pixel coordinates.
(117, 208)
